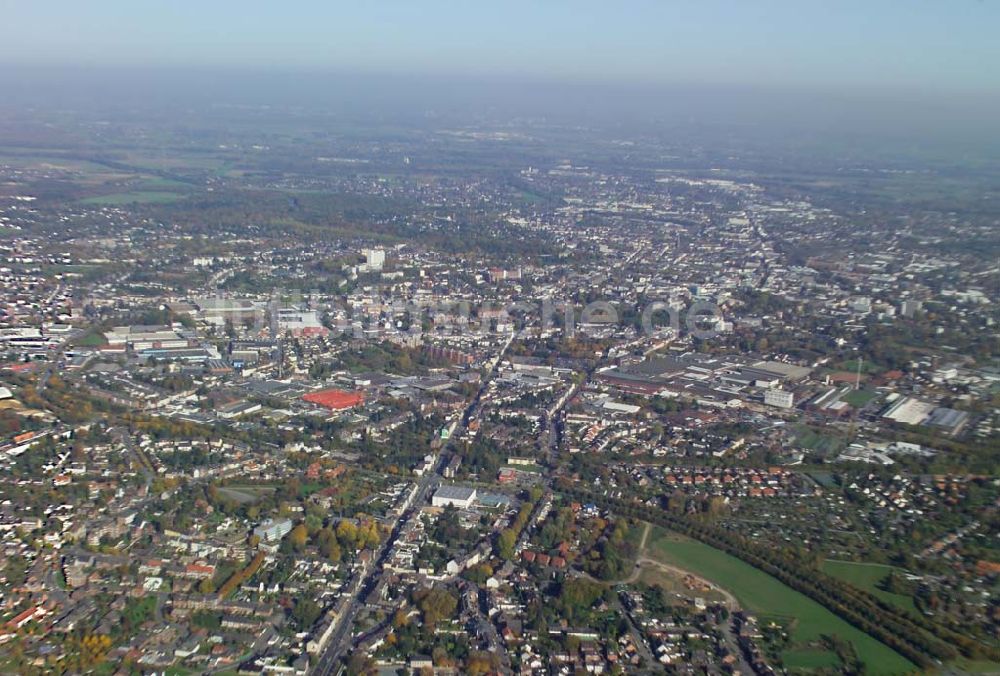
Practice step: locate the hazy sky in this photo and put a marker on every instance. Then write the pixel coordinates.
(928, 44)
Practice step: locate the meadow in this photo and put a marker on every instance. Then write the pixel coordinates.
(868, 576)
(766, 597)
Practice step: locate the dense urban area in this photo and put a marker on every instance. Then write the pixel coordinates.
(282, 393)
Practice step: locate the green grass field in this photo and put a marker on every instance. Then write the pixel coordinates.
(764, 595)
(92, 338)
(810, 439)
(137, 197)
(824, 479)
(808, 659)
(867, 576)
(858, 398)
(246, 494)
(161, 184)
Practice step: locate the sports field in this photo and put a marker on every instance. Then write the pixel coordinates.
(859, 398)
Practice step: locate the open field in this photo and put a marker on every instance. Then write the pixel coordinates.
(137, 197)
(858, 398)
(762, 594)
(824, 479)
(809, 658)
(246, 494)
(91, 338)
(812, 440)
(867, 576)
(65, 160)
(673, 583)
(165, 184)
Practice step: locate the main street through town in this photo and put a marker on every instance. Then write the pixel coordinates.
(362, 585)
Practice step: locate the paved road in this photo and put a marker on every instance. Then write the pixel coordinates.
(46, 375)
(727, 629)
(363, 585)
(128, 442)
(341, 639)
(492, 636)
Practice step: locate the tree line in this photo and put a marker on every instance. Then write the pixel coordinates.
(916, 638)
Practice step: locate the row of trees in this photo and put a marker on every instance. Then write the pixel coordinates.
(241, 576)
(917, 638)
(507, 540)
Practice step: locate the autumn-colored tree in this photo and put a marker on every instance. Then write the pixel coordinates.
(298, 537)
(479, 573)
(436, 604)
(506, 542)
(241, 576)
(481, 663)
(326, 540)
(347, 534)
(441, 657)
(93, 648)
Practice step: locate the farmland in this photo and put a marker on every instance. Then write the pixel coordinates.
(137, 197)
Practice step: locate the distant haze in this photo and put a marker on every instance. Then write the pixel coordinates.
(918, 78)
(861, 120)
(930, 45)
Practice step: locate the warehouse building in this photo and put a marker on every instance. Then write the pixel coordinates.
(457, 496)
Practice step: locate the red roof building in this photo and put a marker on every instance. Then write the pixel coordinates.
(199, 571)
(26, 616)
(311, 331)
(21, 367)
(335, 400)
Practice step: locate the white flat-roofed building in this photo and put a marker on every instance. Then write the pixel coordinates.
(457, 496)
(779, 398)
(618, 407)
(909, 410)
(273, 530)
(374, 259)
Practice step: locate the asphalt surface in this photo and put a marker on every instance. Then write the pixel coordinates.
(362, 586)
